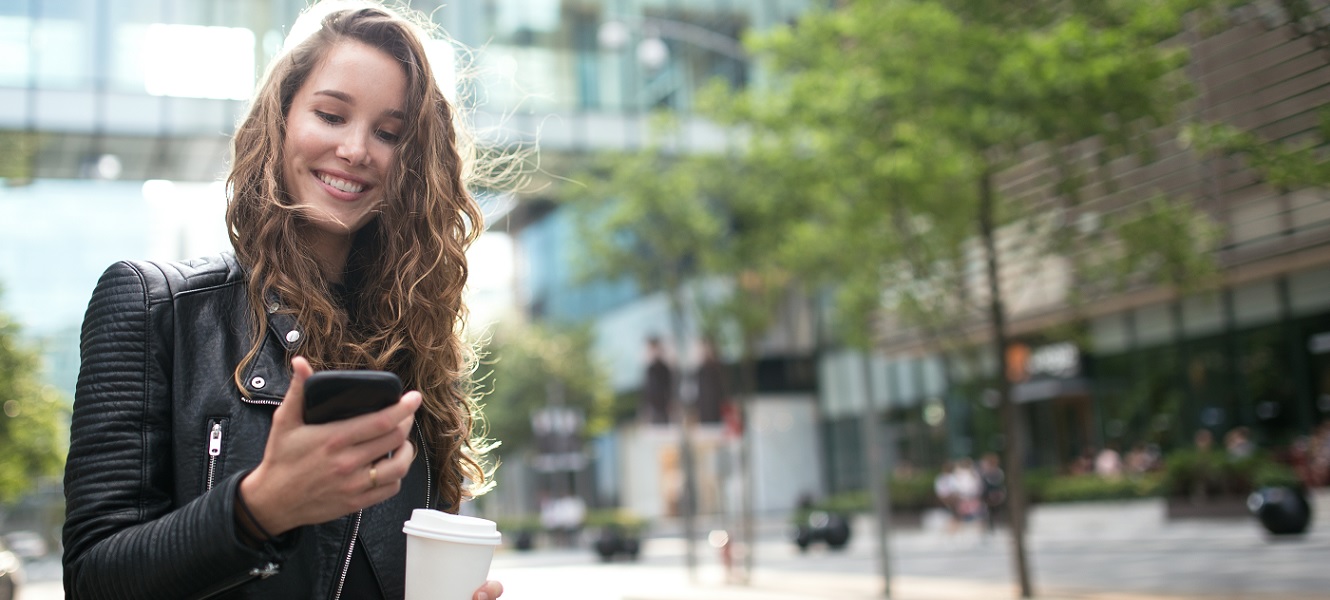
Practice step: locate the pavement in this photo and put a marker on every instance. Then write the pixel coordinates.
(1087, 551)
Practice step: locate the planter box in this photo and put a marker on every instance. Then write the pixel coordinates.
(1209, 507)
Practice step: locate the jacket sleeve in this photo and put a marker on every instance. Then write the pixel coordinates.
(124, 535)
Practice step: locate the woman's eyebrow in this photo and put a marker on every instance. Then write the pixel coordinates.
(345, 97)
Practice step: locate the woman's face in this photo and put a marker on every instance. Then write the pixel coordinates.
(341, 131)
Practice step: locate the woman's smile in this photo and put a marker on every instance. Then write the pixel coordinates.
(341, 139)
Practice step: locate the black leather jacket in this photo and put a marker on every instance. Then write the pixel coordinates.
(161, 436)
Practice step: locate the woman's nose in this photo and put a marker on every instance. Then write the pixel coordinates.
(352, 148)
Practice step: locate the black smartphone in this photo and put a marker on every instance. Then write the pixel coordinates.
(334, 395)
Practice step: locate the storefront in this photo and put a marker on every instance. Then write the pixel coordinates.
(1255, 355)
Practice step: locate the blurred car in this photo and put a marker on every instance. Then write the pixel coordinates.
(27, 545)
(11, 573)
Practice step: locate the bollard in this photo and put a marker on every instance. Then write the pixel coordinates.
(1281, 510)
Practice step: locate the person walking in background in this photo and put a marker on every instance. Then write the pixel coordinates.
(657, 387)
(1108, 463)
(944, 488)
(969, 491)
(995, 488)
(1238, 444)
(191, 471)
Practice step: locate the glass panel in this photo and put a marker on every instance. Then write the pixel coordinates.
(882, 392)
(61, 48)
(1109, 334)
(903, 372)
(14, 47)
(1255, 304)
(1154, 325)
(1309, 291)
(1202, 315)
(198, 62)
(1269, 401)
(934, 381)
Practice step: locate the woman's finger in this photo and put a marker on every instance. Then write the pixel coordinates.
(291, 412)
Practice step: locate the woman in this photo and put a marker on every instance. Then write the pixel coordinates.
(191, 471)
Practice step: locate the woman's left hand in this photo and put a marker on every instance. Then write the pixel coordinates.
(489, 591)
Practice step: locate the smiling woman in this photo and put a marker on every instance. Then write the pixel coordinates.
(191, 471)
(341, 134)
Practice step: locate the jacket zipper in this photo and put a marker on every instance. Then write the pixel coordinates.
(350, 548)
(214, 451)
(429, 473)
(355, 528)
(216, 433)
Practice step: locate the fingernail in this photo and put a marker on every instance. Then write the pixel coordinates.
(482, 596)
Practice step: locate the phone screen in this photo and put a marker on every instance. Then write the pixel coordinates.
(335, 395)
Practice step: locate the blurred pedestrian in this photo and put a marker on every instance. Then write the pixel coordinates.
(191, 471)
(657, 386)
(1108, 463)
(1139, 460)
(1203, 440)
(995, 488)
(712, 388)
(969, 491)
(1238, 444)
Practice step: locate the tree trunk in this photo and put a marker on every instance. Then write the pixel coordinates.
(748, 391)
(688, 499)
(877, 481)
(1011, 423)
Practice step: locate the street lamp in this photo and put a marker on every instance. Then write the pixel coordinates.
(652, 51)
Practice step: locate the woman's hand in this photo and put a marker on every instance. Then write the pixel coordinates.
(489, 591)
(316, 473)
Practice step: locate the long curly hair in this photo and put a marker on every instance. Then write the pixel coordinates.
(407, 267)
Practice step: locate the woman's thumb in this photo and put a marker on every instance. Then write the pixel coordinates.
(292, 408)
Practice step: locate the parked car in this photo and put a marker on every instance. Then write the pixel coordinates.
(11, 573)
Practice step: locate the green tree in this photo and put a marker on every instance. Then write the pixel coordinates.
(530, 366)
(34, 418)
(16, 151)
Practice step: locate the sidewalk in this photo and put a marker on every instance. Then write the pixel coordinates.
(777, 585)
(770, 584)
(1126, 550)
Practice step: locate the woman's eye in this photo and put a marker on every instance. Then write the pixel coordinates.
(389, 136)
(329, 117)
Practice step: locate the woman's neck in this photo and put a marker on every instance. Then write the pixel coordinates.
(331, 252)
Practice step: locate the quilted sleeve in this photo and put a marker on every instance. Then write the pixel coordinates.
(124, 536)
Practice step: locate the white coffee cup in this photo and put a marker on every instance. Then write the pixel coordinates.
(447, 556)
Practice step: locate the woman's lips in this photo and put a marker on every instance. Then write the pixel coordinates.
(340, 186)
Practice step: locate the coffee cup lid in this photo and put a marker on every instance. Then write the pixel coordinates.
(440, 525)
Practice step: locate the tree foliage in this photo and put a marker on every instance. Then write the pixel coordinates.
(905, 109)
(33, 418)
(529, 366)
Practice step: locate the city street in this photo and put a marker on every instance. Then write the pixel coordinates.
(1092, 551)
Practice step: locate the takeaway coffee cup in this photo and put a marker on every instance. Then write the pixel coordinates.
(447, 556)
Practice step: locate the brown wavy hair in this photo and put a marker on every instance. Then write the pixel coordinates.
(407, 267)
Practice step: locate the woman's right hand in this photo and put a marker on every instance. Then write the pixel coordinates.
(316, 473)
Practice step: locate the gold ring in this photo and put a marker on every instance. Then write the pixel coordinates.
(373, 476)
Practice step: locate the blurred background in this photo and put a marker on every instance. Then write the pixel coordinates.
(768, 259)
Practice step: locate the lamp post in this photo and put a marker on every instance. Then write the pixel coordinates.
(652, 52)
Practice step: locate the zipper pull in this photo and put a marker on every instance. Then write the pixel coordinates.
(215, 440)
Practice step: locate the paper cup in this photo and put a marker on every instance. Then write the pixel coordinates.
(447, 556)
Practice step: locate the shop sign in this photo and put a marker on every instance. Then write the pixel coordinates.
(1056, 361)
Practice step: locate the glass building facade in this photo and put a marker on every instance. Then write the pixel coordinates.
(124, 108)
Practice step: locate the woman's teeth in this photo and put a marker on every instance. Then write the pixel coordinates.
(341, 184)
